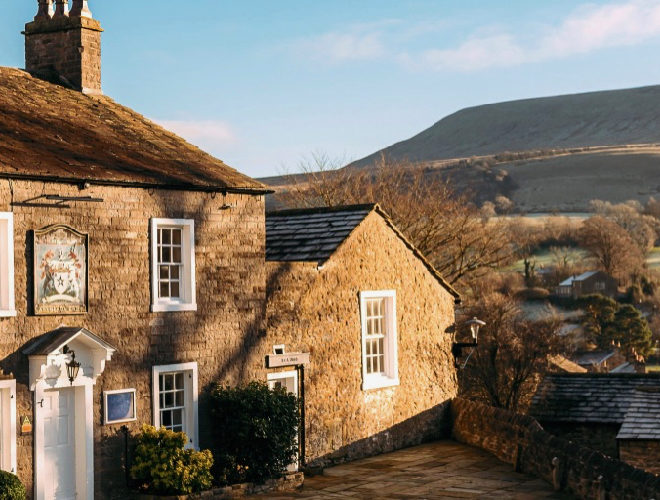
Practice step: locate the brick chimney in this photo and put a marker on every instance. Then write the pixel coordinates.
(63, 46)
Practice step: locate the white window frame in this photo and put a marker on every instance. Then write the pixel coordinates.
(187, 301)
(8, 427)
(390, 377)
(190, 394)
(7, 304)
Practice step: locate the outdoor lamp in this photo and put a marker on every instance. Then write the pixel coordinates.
(457, 347)
(73, 366)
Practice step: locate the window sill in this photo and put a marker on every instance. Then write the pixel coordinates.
(379, 383)
(8, 313)
(173, 307)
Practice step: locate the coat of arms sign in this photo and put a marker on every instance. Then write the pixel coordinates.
(60, 271)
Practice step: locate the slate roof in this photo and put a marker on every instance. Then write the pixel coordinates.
(52, 133)
(589, 358)
(314, 234)
(581, 277)
(48, 342)
(310, 235)
(588, 398)
(642, 420)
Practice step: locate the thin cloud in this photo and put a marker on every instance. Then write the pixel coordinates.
(205, 133)
(588, 28)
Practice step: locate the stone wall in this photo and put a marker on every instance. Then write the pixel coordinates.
(221, 335)
(637, 452)
(599, 437)
(521, 441)
(316, 310)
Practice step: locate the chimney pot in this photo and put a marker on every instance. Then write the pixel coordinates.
(80, 8)
(61, 8)
(45, 10)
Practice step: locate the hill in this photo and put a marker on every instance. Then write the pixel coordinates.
(607, 118)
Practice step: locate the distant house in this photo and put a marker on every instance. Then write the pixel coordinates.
(347, 288)
(587, 283)
(599, 361)
(616, 414)
(561, 364)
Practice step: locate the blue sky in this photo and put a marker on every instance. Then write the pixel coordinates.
(262, 84)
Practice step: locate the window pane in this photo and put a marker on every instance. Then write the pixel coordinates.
(176, 255)
(179, 398)
(166, 419)
(176, 236)
(169, 400)
(166, 238)
(166, 255)
(164, 272)
(174, 289)
(177, 417)
(179, 381)
(164, 290)
(174, 272)
(166, 384)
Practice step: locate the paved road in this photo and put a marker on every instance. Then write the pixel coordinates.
(440, 470)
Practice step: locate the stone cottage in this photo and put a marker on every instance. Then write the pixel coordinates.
(587, 283)
(348, 288)
(133, 275)
(123, 249)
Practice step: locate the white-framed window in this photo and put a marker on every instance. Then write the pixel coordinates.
(7, 307)
(175, 399)
(8, 425)
(173, 265)
(380, 367)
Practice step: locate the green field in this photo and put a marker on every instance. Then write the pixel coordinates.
(544, 258)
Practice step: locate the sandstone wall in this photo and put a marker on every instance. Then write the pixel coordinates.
(317, 310)
(221, 335)
(521, 441)
(641, 453)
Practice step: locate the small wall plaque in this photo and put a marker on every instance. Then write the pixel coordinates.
(26, 426)
(119, 406)
(288, 359)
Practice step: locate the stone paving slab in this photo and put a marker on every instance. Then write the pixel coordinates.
(439, 470)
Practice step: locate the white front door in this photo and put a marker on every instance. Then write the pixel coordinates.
(59, 444)
(289, 381)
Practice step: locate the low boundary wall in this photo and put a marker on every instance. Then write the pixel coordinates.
(521, 441)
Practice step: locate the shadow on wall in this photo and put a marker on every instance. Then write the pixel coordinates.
(430, 425)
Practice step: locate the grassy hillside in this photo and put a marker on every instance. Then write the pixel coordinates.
(614, 117)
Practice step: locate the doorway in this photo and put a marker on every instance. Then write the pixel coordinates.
(289, 381)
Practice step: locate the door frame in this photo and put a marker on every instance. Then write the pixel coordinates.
(8, 432)
(295, 465)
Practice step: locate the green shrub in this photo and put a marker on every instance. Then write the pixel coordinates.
(11, 487)
(162, 466)
(255, 432)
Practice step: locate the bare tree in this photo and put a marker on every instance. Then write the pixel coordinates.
(511, 356)
(612, 246)
(442, 224)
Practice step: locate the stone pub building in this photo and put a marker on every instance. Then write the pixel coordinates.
(133, 276)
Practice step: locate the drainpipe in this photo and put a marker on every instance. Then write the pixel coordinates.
(301, 432)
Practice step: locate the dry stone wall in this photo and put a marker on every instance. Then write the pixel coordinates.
(316, 310)
(522, 442)
(221, 335)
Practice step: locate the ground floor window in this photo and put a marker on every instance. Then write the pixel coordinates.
(8, 425)
(175, 399)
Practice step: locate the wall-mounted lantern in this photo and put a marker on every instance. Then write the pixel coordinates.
(73, 366)
(457, 347)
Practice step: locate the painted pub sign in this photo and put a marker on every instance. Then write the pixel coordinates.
(60, 271)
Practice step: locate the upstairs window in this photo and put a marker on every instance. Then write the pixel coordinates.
(173, 265)
(7, 307)
(379, 339)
